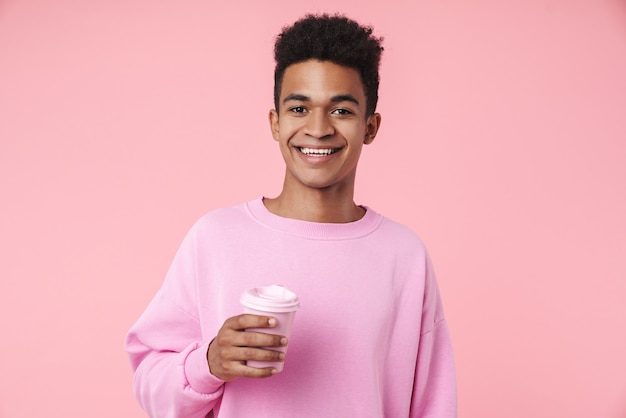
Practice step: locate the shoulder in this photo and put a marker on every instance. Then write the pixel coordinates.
(224, 214)
(400, 232)
(221, 220)
(398, 238)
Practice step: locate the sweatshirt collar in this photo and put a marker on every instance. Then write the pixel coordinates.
(315, 230)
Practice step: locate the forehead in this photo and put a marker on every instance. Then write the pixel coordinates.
(322, 80)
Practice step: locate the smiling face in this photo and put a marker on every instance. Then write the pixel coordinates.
(321, 125)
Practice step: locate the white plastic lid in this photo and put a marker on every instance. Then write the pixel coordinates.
(274, 298)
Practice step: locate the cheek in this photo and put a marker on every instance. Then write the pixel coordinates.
(353, 129)
(357, 136)
(283, 143)
(287, 131)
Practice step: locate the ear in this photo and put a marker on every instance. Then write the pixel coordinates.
(373, 123)
(273, 118)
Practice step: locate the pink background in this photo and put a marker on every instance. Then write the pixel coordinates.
(503, 144)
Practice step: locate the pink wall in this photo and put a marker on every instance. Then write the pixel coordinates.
(503, 144)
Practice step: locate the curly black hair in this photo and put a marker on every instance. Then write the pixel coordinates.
(333, 38)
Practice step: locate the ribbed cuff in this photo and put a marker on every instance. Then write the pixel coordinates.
(197, 371)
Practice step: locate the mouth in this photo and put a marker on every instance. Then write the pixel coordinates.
(317, 152)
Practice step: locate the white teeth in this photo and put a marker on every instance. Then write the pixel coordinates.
(317, 151)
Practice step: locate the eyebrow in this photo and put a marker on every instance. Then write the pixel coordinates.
(335, 99)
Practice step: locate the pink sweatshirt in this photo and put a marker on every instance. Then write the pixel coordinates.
(370, 338)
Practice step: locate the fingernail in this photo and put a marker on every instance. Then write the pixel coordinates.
(281, 356)
(283, 341)
(271, 322)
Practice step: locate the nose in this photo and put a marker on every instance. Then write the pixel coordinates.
(318, 125)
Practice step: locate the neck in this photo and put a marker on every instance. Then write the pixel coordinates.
(316, 205)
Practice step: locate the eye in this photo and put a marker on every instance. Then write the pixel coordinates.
(342, 112)
(297, 109)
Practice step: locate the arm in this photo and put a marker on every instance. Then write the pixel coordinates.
(170, 355)
(166, 348)
(171, 363)
(434, 388)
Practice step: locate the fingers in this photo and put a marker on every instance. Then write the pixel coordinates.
(251, 338)
(237, 370)
(255, 341)
(228, 363)
(250, 331)
(241, 322)
(236, 343)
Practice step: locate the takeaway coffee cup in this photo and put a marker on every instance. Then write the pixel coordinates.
(276, 301)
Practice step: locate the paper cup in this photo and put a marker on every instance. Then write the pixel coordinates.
(276, 301)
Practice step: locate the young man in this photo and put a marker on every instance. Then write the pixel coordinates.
(370, 339)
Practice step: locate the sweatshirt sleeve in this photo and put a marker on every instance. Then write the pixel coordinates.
(434, 389)
(166, 348)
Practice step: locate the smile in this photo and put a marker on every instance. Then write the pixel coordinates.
(318, 152)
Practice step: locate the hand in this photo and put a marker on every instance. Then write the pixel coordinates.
(233, 346)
